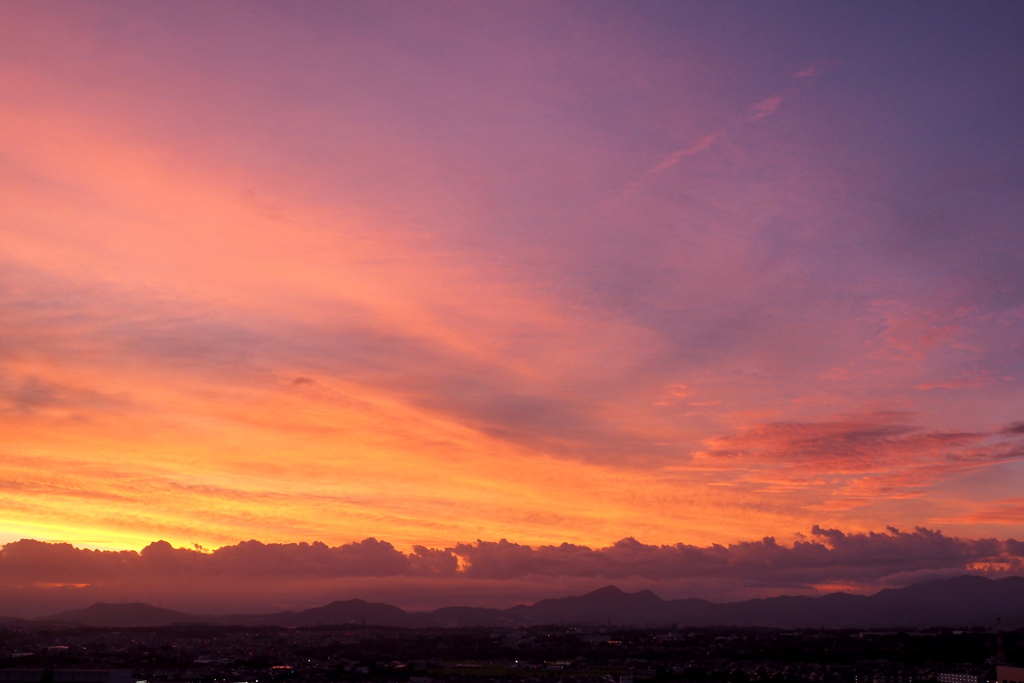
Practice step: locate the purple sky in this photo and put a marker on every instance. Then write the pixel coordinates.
(437, 272)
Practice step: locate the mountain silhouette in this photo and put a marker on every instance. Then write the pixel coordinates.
(112, 615)
(607, 605)
(959, 602)
(337, 612)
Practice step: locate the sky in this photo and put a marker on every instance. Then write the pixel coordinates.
(480, 302)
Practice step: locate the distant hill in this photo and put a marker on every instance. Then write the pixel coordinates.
(964, 601)
(607, 605)
(338, 612)
(112, 615)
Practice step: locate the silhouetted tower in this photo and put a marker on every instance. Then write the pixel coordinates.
(1000, 653)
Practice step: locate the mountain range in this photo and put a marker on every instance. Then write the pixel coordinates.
(959, 602)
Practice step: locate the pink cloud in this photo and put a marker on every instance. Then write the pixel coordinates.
(852, 462)
(766, 107)
(672, 159)
(677, 156)
(1008, 511)
(816, 69)
(912, 334)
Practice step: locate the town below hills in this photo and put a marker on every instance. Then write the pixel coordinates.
(966, 601)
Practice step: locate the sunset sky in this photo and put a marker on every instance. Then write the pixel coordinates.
(655, 280)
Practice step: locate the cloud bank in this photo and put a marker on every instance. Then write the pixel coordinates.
(60, 573)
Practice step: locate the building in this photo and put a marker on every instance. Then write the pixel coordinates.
(66, 675)
(1009, 674)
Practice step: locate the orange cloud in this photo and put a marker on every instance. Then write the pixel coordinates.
(854, 461)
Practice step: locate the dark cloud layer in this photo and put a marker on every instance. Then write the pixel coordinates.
(828, 557)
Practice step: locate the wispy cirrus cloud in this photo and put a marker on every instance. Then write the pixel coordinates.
(819, 67)
(677, 156)
(672, 159)
(806, 77)
(765, 107)
(855, 460)
(1008, 511)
